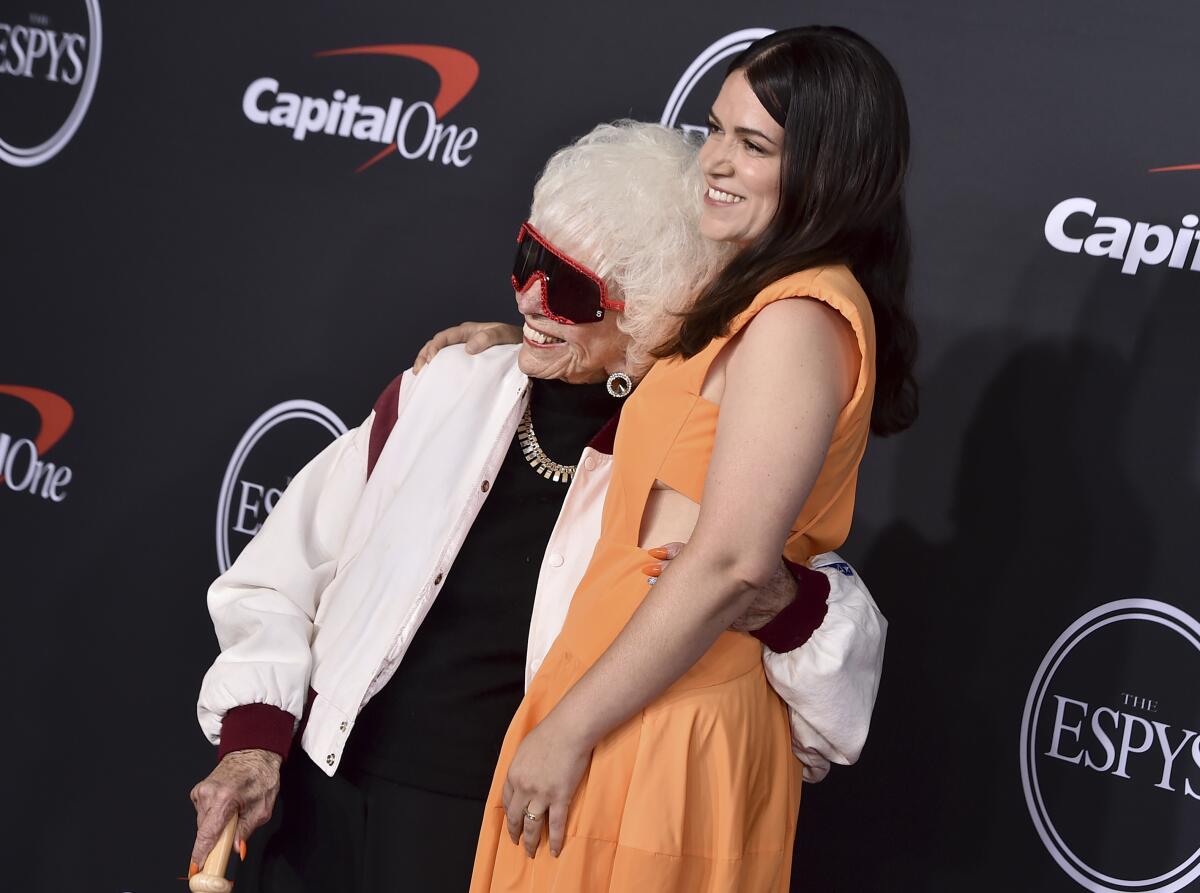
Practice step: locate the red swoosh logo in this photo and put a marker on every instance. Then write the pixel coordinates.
(457, 71)
(55, 412)
(1178, 167)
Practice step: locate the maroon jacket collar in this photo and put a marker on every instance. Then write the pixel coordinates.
(606, 437)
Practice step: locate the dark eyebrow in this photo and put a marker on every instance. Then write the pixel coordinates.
(743, 131)
(748, 131)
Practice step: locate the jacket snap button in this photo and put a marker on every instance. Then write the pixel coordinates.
(437, 579)
(342, 727)
(485, 486)
(329, 759)
(556, 560)
(589, 463)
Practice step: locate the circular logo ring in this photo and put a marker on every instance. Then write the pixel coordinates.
(729, 45)
(30, 157)
(276, 415)
(1113, 612)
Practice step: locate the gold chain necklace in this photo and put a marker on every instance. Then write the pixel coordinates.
(541, 463)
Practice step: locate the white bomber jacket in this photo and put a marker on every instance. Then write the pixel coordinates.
(333, 588)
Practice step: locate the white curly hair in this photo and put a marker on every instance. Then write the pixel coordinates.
(625, 201)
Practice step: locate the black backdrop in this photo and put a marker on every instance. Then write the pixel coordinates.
(175, 271)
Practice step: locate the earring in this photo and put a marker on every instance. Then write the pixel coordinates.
(619, 384)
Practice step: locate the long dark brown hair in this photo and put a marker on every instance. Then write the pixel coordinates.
(841, 201)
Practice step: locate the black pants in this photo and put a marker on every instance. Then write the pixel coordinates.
(358, 833)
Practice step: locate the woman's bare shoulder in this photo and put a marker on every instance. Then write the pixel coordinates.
(797, 336)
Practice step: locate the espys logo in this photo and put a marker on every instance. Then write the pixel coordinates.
(49, 63)
(1110, 756)
(683, 114)
(411, 128)
(22, 468)
(274, 448)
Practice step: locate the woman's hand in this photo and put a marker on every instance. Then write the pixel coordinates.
(779, 592)
(478, 336)
(542, 781)
(245, 782)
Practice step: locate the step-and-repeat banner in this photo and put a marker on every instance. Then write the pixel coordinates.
(224, 228)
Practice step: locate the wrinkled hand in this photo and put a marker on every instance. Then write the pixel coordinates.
(542, 781)
(768, 601)
(478, 337)
(246, 782)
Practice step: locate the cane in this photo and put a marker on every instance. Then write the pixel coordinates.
(211, 878)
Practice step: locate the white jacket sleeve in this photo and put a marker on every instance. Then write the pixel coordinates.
(263, 607)
(830, 682)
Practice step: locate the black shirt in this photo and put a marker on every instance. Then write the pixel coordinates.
(439, 722)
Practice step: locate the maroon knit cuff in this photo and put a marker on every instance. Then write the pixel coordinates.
(256, 727)
(795, 624)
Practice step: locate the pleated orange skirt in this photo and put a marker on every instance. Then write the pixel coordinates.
(699, 792)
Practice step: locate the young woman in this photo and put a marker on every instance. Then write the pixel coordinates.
(649, 750)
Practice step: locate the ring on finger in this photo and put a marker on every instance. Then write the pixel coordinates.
(532, 817)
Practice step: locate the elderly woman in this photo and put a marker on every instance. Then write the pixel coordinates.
(414, 575)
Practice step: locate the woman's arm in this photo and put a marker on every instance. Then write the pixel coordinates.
(262, 610)
(791, 371)
(830, 681)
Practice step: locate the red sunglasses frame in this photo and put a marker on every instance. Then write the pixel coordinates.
(605, 302)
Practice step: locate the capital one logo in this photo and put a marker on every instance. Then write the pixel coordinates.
(277, 445)
(692, 116)
(1073, 227)
(1110, 755)
(411, 128)
(49, 63)
(22, 466)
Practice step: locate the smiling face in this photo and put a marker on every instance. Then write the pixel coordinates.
(579, 354)
(741, 164)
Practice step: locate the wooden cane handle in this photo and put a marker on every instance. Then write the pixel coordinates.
(211, 878)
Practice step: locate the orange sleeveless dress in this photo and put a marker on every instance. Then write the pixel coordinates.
(700, 791)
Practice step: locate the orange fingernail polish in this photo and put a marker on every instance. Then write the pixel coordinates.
(242, 849)
(193, 869)
(652, 570)
(660, 554)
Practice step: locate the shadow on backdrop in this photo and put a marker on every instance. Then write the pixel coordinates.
(1078, 455)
